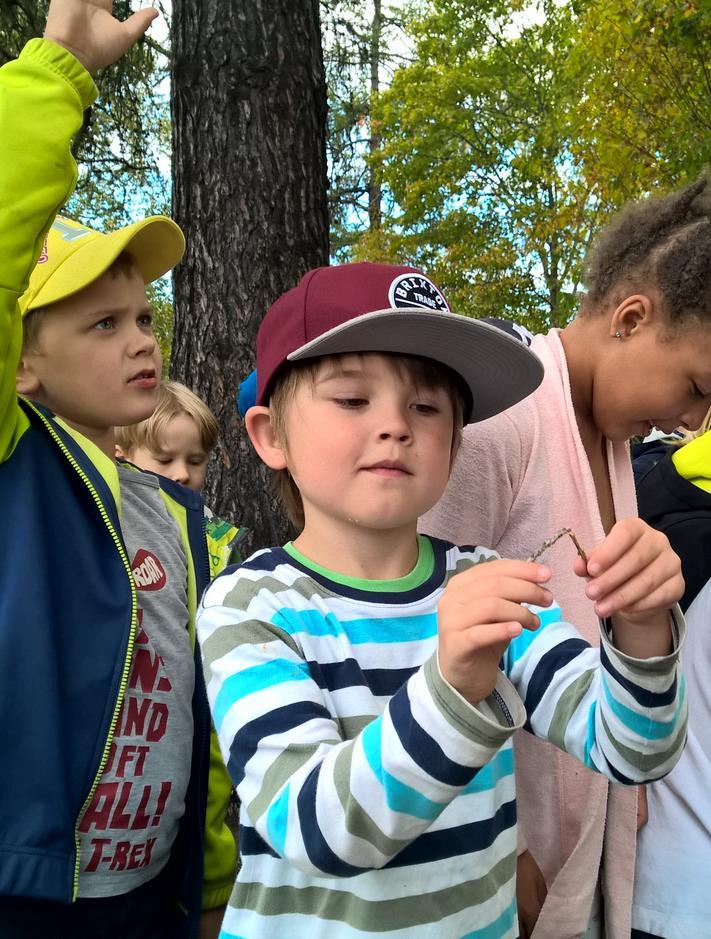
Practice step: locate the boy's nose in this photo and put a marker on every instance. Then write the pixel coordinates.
(180, 474)
(395, 426)
(143, 343)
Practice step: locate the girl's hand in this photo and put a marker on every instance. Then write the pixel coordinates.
(633, 571)
(480, 611)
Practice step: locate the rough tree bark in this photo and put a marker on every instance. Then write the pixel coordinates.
(249, 190)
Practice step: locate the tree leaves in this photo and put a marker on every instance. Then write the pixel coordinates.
(516, 132)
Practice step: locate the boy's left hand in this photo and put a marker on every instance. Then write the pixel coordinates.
(634, 571)
(88, 29)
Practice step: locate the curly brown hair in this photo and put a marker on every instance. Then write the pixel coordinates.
(663, 241)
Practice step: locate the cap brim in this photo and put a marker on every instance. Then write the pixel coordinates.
(155, 243)
(499, 370)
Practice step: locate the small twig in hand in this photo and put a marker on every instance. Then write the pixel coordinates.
(552, 540)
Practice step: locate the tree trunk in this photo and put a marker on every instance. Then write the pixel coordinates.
(374, 188)
(249, 190)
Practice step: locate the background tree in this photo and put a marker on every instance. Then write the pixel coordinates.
(644, 80)
(364, 43)
(520, 127)
(249, 178)
(476, 149)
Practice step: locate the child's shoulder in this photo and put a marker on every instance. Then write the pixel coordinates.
(266, 566)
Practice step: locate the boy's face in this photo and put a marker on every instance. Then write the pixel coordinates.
(182, 456)
(366, 447)
(96, 362)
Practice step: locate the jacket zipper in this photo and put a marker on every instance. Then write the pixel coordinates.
(131, 638)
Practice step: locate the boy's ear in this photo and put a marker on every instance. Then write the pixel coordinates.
(26, 380)
(261, 432)
(119, 453)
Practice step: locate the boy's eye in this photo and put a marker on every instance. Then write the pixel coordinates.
(106, 323)
(198, 461)
(350, 403)
(423, 408)
(146, 320)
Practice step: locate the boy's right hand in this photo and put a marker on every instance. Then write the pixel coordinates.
(90, 32)
(480, 611)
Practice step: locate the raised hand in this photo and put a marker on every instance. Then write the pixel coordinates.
(88, 29)
(480, 611)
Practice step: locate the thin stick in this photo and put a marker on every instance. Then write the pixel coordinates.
(552, 540)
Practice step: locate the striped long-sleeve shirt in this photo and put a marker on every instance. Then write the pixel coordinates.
(375, 800)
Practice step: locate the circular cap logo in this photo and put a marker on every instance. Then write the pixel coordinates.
(416, 290)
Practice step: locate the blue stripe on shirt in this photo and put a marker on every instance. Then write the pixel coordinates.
(423, 749)
(430, 846)
(359, 631)
(500, 926)
(399, 796)
(648, 699)
(253, 679)
(383, 682)
(277, 821)
(320, 854)
(518, 647)
(643, 727)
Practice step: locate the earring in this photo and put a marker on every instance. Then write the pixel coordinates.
(619, 335)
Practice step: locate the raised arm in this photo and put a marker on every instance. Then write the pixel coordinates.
(43, 94)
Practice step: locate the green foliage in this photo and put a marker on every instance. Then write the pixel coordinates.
(362, 45)
(643, 74)
(20, 20)
(161, 301)
(477, 152)
(123, 151)
(519, 128)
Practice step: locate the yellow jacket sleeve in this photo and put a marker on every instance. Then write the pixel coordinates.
(43, 94)
(220, 847)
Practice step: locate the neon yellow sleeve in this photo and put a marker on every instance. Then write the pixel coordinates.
(43, 94)
(220, 847)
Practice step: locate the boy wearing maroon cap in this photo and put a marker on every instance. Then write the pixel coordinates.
(365, 682)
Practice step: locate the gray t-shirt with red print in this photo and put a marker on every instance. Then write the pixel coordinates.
(129, 826)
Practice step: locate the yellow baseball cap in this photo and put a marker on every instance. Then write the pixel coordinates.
(74, 256)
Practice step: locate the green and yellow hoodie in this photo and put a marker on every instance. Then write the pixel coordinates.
(67, 596)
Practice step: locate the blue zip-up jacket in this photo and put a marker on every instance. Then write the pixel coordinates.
(67, 599)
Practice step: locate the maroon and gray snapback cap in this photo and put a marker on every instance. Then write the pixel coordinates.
(366, 307)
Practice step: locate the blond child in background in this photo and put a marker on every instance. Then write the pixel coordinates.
(176, 441)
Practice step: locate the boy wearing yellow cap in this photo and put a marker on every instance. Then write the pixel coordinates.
(104, 809)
